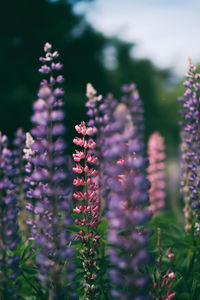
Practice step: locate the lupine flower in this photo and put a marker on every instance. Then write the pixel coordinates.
(163, 281)
(100, 112)
(87, 207)
(127, 199)
(190, 143)
(156, 173)
(96, 119)
(49, 192)
(189, 213)
(21, 186)
(9, 261)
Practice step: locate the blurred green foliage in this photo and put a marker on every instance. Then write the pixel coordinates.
(24, 28)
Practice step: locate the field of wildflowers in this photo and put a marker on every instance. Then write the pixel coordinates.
(94, 226)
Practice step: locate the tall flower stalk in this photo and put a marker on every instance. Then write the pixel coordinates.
(190, 136)
(96, 119)
(127, 215)
(100, 112)
(156, 172)
(9, 238)
(21, 186)
(87, 208)
(163, 281)
(49, 190)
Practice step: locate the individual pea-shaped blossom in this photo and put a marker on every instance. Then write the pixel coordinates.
(87, 207)
(127, 199)
(49, 191)
(156, 172)
(190, 144)
(9, 238)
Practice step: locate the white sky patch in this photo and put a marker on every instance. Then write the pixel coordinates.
(166, 31)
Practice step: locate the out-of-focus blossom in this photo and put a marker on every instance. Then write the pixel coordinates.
(156, 172)
(9, 238)
(128, 197)
(49, 192)
(190, 139)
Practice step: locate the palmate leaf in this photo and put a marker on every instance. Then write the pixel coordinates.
(26, 251)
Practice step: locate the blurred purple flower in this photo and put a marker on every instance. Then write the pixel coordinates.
(127, 198)
(49, 189)
(9, 238)
(190, 139)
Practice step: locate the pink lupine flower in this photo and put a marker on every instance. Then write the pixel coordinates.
(156, 172)
(78, 141)
(164, 282)
(171, 275)
(76, 210)
(171, 255)
(171, 296)
(91, 144)
(82, 129)
(78, 155)
(78, 196)
(78, 181)
(88, 211)
(92, 159)
(78, 169)
(78, 128)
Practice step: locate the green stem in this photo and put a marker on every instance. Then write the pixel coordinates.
(159, 263)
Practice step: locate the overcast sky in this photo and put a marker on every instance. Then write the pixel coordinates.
(166, 31)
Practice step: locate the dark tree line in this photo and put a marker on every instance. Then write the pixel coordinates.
(24, 28)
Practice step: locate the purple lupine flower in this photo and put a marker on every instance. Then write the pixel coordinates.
(100, 112)
(49, 191)
(45, 69)
(9, 261)
(95, 121)
(21, 186)
(123, 151)
(60, 79)
(58, 66)
(156, 172)
(190, 138)
(106, 108)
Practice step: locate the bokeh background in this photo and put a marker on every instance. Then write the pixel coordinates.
(107, 43)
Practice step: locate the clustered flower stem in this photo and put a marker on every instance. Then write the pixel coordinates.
(127, 198)
(190, 138)
(9, 238)
(163, 284)
(87, 211)
(49, 188)
(156, 172)
(96, 119)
